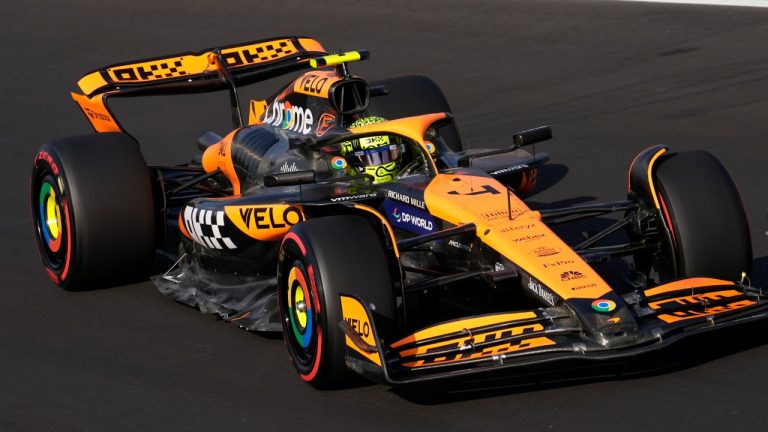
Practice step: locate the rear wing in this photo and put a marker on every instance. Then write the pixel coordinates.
(214, 69)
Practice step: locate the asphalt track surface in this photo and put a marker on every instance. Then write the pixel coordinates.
(612, 78)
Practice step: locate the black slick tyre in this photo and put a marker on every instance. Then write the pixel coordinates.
(704, 216)
(319, 260)
(415, 95)
(93, 210)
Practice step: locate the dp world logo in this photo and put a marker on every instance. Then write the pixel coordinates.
(409, 218)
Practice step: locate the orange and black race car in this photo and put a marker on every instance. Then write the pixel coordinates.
(348, 215)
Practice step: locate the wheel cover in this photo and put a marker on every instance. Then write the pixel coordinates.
(300, 307)
(50, 215)
(52, 225)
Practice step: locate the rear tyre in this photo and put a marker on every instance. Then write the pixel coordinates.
(319, 260)
(93, 210)
(415, 95)
(708, 233)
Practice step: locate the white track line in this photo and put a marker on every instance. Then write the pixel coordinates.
(748, 3)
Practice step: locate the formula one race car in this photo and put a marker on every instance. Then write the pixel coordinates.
(348, 215)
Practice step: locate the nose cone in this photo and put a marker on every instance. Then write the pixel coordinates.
(608, 320)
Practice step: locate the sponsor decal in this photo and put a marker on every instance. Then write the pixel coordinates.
(495, 214)
(406, 199)
(149, 71)
(581, 287)
(265, 222)
(409, 218)
(529, 237)
(517, 227)
(614, 320)
(324, 123)
(256, 110)
(270, 217)
(493, 344)
(338, 163)
(459, 245)
(96, 115)
(353, 312)
(363, 328)
(204, 226)
(509, 170)
(540, 291)
(543, 251)
(603, 305)
(313, 84)
(681, 305)
(430, 147)
(486, 189)
(258, 53)
(571, 275)
(188, 65)
(354, 197)
(558, 263)
(291, 117)
(48, 158)
(289, 167)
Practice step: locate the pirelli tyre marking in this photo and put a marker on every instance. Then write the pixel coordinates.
(204, 226)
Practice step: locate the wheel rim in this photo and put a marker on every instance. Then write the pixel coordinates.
(51, 223)
(301, 317)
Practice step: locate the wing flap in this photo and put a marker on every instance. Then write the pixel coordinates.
(202, 65)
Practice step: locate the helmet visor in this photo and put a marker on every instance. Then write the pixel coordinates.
(375, 156)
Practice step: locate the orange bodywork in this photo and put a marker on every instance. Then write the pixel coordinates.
(696, 301)
(220, 156)
(686, 285)
(265, 222)
(503, 348)
(183, 66)
(411, 127)
(256, 111)
(649, 173)
(97, 113)
(462, 325)
(355, 315)
(507, 225)
(316, 83)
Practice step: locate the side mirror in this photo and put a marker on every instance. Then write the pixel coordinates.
(532, 136)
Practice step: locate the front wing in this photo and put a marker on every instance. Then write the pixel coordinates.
(664, 315)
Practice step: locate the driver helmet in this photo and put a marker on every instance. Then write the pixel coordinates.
(378, 156)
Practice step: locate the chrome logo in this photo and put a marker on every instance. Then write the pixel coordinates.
(603, 305)
(338, 163)
(430, 147)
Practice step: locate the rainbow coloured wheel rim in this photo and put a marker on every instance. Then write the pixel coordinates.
(301, 316)
(50, 216)
(51, 225)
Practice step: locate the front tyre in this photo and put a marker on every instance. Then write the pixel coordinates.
(319, 260)
(705, 230)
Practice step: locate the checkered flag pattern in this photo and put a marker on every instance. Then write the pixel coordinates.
(204, 227)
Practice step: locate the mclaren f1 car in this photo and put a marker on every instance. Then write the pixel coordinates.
(383, 247)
